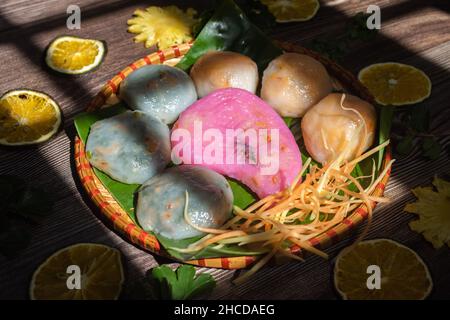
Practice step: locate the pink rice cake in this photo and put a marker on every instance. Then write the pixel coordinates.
(266, 167)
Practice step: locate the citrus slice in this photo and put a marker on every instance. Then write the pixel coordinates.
(292, 10)
(27, 117)
(73, 55)
(396, 84)
(402, 273)
(97, 267)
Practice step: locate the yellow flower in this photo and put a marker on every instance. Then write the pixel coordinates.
(433, 208)
(165, 27)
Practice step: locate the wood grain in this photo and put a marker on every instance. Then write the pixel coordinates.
(414, 32)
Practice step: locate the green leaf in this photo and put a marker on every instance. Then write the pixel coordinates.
(242, 196)
(338, 46)
(334, 49)
(161, 279)
(84, 120)
(185, 277)
(384, 124)
(34, 203)
(229, 29)
(357, 172)
(18, 200)
(123, 193)
(405, 146)
(420, 118)
(288, 121)
(431, 148)
(181, 284)
(229, 250)
(357, 28)
(203, 283)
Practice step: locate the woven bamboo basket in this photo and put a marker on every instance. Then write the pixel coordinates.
(120, 220)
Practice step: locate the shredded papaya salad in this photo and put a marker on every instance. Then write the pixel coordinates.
(319, 199)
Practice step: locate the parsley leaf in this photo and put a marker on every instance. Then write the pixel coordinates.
(333, 49)
(181, 284)
(357, 29)
(405, 146)
(414, 127)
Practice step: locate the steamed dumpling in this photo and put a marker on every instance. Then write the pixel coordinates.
(224, 69)
(159, 90)
(161, 201)
(328, 128)
(265, 173)
(293, 83)
(130, 147)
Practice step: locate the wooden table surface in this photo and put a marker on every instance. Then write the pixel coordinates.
(414, 32)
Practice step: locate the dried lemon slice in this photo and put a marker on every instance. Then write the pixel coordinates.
(403, 274)
(396, 84)
(98, 268)
(292, 10)
(73, 55)
(165, 27)
(27, 117)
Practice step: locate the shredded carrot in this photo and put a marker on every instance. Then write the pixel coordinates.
(318, 199)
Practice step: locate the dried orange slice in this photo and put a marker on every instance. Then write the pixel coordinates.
(292, 10)
(402, 273)
(73, 55)
(98, 268)
(27, 117)
(396, 84)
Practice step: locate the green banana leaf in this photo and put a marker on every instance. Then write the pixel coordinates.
(124, 193)
(386, 115)
(209, 252)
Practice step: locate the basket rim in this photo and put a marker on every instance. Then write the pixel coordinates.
(122, 223)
